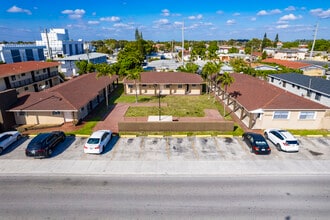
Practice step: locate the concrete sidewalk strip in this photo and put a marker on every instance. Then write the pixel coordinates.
(163, 167)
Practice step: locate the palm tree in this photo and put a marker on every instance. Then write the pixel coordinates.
(208, 70)
(226, 80)
(135, 74)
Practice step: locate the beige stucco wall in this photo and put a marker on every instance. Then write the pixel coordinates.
(314, 72)
(32, 118)
(172, 90)
(266, 121)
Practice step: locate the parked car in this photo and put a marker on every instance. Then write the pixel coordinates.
(256, 142)
(7, 138)
(96, 143)
(282, 139)
(44, 144)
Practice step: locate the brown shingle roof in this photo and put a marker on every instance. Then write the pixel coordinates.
(287, 63)
(168, 78)
(71, 95)
(254, 93)
(23, 67)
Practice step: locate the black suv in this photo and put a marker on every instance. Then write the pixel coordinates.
(44, 143)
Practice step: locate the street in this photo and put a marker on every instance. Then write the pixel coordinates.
(90, 197)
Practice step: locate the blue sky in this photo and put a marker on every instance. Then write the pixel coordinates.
(162, 20)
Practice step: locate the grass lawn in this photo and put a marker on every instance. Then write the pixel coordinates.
(177, 106)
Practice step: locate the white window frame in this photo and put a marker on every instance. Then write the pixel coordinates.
(278, 115)
(307, 115)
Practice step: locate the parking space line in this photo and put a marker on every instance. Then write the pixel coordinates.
(168, 152)
(141, 148)
(194, 148)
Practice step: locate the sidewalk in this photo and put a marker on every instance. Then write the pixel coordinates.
(162, 168)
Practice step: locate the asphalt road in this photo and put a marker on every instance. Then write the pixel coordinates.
(247, 197)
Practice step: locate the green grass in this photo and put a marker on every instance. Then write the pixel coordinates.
(177, 106)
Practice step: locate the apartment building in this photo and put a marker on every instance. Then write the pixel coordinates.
(58, 43)
(14, 53)
(30, 76)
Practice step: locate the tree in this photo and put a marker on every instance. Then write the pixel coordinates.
(233, 50)
(208, 70)
(212, 50)
(265, 42)
(276, 41)
(226, 80)
(135, 74)
(189, 68)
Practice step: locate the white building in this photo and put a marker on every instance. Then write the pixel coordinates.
(58, 43)
(68, 64)
(14, 53)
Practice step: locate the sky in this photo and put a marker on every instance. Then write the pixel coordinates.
(23, 20)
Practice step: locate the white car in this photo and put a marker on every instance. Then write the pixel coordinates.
(282, 139)
(97, 141)
(7, 138)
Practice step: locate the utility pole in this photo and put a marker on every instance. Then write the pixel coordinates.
(48, 47)
(315, 33)
(182, 42)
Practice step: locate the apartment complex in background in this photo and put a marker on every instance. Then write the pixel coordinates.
(14, 53)
(29, 76)
(58, 43)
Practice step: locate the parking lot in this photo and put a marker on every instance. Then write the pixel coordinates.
(194, 148)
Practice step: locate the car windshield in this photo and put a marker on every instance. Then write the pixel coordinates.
(260, 143)
(292, 142)
(4, 138)
(93, 141)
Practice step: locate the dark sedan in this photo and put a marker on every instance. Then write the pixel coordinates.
(256, 142)
(44, 144)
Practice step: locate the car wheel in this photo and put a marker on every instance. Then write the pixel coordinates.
(278, 146)
(49, 152)
(1, 149)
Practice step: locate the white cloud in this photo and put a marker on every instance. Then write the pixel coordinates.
(162, 21)
(318, 12)
(253, 19)
(74, 14)
(290, 17)
(290, 8)
(236, 14)
(230, 22)
(121, 25)
(111, 19)
(93, 22)
(283, 26)
(197, 17)
(15, 9)
(219, 12)
(165, 12)
(271, 12)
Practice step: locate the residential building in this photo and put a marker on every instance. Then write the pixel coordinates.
(13, 53)
(70, 101)
(260, 105)
(306, 68)
(313, 88)
(58, 43)
(165, 83)
(289, 54)
(68, 64)
(7, 99)
(31, 76)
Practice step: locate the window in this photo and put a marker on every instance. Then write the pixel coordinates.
(26, 88)
(167, 86)
(13, 78)
(193, 85)
(307, 115)
(281, 115)
(21, 113)
(130, 86)
(284, 84)
(56, 113)
(180, 86)
(144, 85)
(309, 93)
(318, 96)
(23, 74)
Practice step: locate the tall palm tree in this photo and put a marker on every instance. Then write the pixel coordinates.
(226, 80)
(135, 74)
(208, 70)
